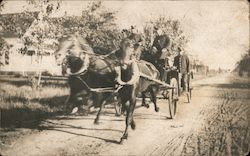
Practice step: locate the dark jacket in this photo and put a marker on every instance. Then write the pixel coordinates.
(182, 63)
(161, 42)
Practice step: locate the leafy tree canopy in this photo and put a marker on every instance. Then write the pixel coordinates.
(168, 26)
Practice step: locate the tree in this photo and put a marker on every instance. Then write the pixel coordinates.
(244, 63)
(102, 31)
(3, 44)
(40, 28)
(4, 52)
(1, 5)
(98, 26)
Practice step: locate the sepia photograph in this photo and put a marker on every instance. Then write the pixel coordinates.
(124, 78)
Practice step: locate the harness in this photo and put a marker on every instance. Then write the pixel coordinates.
(98, 90)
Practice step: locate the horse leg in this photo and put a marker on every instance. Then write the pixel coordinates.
(101, 104)
(125, 134)
(129, 117)
(124, 107)
(66, 103)
(98, 115)
(153, 93)
(144, 101)
(70, 106)
(132, 108)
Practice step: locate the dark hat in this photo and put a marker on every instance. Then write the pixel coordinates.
(156, 28)
(179, 49)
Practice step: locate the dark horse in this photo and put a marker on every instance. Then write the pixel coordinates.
(86, 84)
(101, 74)
(136, 76)
(97, 73)
(129, 93)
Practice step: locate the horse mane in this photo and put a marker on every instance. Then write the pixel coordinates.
(75, 42)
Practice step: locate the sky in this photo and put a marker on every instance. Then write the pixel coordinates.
(218, 30)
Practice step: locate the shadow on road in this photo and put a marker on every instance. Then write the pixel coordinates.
(60, 127)
(24, 117)
(151, 117)
(89, 136)
(52, 125)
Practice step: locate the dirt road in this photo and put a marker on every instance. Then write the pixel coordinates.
(216, 122)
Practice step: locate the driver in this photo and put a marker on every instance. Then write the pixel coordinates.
(159, 48)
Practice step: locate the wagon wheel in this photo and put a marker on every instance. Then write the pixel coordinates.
(172, 98)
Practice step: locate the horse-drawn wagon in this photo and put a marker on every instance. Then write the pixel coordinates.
(96, 80)
(166, 91)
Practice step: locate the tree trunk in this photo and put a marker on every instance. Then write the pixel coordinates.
(40, 73)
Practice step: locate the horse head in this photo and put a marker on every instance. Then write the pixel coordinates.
(72, 52)
(65, 44)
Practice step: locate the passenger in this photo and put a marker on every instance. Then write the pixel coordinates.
(165, 64)
(160, 44)
(181, 62)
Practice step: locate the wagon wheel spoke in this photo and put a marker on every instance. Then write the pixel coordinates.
(173, 98)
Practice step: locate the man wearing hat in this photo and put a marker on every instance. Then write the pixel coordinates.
(181, 62)
(160, 44)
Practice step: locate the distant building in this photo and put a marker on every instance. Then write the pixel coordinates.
(29, 61)
(24, 58)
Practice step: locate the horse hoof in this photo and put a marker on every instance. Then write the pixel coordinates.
(121, 141)
(145, 105)
(74, 110)
(133, 125)
(125, 136)
(117, 114)
(96, 122)
(157, 109)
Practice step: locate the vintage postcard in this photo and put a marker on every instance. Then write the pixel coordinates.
(124, 77)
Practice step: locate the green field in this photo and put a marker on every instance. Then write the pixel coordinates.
(24, 107)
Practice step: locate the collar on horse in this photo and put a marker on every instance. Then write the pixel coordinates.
(81, 71)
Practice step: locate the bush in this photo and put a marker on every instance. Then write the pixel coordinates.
(97, 25)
